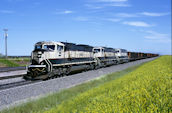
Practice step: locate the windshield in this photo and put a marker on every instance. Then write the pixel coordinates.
(38, 47)
(59, 48)
(123, 51)
(117, 51)
(96, 50)
(49, 47)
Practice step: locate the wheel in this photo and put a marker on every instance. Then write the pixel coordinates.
(60, 72)
(68, 70)
(92, 66)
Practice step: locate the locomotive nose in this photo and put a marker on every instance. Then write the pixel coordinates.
(39, 54)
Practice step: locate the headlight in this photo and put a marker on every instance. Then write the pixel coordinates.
(39, 52)
(39, 56)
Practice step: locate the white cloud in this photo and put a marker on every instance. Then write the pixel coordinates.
(81, 18)
(64, 12)
(111, 0)
(100, 6)
(118, 5)
(113, 20)
(137, 24)
(154, 14)
(6, 11)
(158, 37)
(107, 3)
(93, 6)
(67, 12)
(126, 15)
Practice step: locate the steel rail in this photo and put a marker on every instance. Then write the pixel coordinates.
(15, 84)
(12, 76)
(7, 69)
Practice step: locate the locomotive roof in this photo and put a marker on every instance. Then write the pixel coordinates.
(119, 49)
(108, 49)
(85, 45)
(66, 43)
(75, 47)
(51, 42)
(40, 42)
(99, 47)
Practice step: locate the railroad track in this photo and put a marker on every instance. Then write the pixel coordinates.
(19, 83)
(7, 69)
(10, 77)
(15, 84)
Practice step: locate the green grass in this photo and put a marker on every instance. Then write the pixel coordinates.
(8, 63)
(146, 89)
(13, 62)
(54, 100)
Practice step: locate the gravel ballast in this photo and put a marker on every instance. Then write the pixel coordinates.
(9, 97)
(12, 73)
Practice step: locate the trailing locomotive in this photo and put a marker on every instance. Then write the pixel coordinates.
(53, 59)
(121, 55)
(104, 56)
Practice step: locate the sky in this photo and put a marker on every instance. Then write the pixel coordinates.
(135, 25)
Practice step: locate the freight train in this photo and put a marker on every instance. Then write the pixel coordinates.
(54, 59)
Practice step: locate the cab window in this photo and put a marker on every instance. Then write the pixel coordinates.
(123, 51)
(59, 48)
(38, 47)
(96, 50)
(117, 51)
(49, 47)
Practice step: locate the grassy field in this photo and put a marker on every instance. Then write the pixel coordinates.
(53, 100)
(147, 89)
(143, 88)
(14, 62)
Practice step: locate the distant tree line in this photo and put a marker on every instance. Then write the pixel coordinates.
(18, 56)
(2, 56)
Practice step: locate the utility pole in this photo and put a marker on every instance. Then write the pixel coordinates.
(5, 35)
